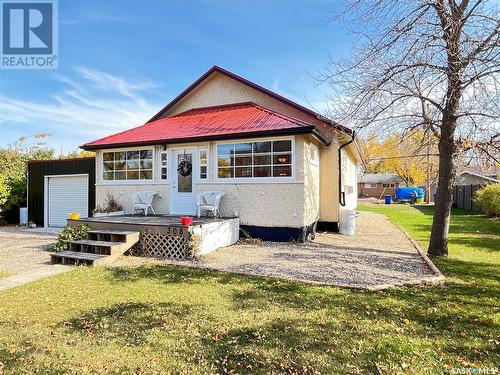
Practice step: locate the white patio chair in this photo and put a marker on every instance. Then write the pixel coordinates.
(209, 201)
(143, 201)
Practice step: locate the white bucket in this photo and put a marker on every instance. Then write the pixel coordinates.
(347, 225)
(23, 216)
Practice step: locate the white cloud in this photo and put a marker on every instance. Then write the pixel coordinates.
(91, 104)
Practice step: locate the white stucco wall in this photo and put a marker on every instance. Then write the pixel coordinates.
(123, 193)
(266, 205)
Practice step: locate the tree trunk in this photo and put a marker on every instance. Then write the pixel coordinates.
(438, 244)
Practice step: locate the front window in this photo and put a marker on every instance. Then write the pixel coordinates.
(128, 165)
(388, 185)
(255, 159)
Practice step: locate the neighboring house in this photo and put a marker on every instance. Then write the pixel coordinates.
(277, 161)
(471, 178)
(377, 185)
(467, 178)
(488, 170)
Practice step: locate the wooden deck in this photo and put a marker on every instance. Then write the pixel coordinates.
(153, 220)
(159, 223)
(164, 235)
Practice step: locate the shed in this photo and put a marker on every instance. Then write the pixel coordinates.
(58, 187)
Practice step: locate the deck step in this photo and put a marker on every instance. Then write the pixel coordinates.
(100, 247)
(96, 243)
(112, 235)
(108, 231)
(77, 258)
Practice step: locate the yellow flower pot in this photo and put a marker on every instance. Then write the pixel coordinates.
(74, 216)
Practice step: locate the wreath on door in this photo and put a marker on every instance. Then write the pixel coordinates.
(185, 167)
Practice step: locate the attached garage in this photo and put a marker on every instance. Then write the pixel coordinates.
(59, 187)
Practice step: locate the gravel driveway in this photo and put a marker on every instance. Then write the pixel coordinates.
(22, 256)
(377, 255)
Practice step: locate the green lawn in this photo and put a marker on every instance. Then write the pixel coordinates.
(157, 318)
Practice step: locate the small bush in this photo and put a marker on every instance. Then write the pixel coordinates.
(193, 246)
(77, 232)
(488, 198)
(110, 205)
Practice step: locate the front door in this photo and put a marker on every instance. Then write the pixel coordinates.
(183, 194)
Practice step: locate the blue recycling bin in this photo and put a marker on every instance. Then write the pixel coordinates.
(388, 199)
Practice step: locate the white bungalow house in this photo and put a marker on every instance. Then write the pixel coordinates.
(284, 168)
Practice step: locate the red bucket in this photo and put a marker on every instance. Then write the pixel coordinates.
(186, 221)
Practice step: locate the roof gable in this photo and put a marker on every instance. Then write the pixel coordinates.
(294, 109)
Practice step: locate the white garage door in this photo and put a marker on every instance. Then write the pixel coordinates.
(66, 194)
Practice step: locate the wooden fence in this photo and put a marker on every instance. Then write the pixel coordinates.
(463, 197)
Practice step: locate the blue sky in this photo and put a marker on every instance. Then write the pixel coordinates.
(121, 61)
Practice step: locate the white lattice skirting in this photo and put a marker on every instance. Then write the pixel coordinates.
(163, 246)
(176, 245)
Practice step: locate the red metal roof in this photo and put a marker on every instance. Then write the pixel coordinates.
(219, 122)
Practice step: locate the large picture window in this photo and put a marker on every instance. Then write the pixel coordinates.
(128, 165)
(255, 159)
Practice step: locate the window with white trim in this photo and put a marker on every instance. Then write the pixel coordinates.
(272, 159)
(370, 185)
(203, 163)
(388, 185)
(127, 165)
(164, 165)
(314, 154)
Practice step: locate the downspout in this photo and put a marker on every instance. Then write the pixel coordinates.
(341, 193)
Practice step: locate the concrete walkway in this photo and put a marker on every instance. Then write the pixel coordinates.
(23, 258)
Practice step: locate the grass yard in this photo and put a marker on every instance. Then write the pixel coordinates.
(156, 319)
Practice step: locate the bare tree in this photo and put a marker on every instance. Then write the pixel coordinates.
(432, 65)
